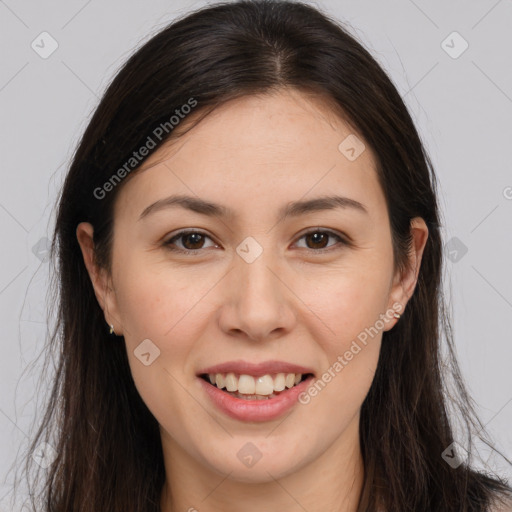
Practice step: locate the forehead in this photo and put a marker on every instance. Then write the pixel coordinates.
(280, 122)
(262, 150)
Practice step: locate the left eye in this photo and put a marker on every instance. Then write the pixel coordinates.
(320, 237)
(195, 239)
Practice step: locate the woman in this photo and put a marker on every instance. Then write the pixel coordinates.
(250, 288)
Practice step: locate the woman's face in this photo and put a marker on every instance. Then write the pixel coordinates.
(255, 295)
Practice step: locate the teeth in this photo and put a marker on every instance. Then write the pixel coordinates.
(264, 385)
(219, 380)
(246, 385)
(279, 382)
(231, 382)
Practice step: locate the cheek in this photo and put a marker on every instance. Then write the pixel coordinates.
(155, 302)
(347, 301)
(352, 309)
(351, 305)
(166, 310)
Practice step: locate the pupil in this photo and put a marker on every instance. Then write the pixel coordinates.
(318, 237)
(196, 237)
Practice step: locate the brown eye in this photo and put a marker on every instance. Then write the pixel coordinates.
(191, 241)
(318, 240)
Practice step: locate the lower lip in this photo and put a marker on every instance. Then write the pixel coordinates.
(255, 410)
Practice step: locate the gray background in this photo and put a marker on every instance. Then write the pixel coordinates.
(462, 105)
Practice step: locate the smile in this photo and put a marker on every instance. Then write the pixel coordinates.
(254, 392)
(248, 387)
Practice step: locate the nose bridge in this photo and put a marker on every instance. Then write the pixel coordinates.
(258, 302)
(253, 270)
(256, 278)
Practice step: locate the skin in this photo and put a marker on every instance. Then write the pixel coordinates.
(293, 303)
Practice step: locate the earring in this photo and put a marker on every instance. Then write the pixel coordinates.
(112, 329)
(397, 315)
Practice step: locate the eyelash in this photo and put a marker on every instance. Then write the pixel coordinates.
(189, 252)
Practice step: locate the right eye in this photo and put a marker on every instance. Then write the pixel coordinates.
(189, 237)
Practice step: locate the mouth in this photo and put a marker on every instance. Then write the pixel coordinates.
(251, 387)
(255, 392)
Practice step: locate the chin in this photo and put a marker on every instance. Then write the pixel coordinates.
(248, 464)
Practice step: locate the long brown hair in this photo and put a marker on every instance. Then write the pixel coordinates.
(108, 449)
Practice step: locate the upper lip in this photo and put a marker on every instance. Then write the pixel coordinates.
(241, 367)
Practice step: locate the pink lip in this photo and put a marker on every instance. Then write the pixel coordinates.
(256, 369)
(255, 410)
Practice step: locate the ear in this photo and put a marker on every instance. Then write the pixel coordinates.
(100, 277)
(404, 283)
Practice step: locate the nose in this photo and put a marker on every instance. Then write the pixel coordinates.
(258, 301)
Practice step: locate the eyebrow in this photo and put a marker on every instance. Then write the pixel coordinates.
(291, 209)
